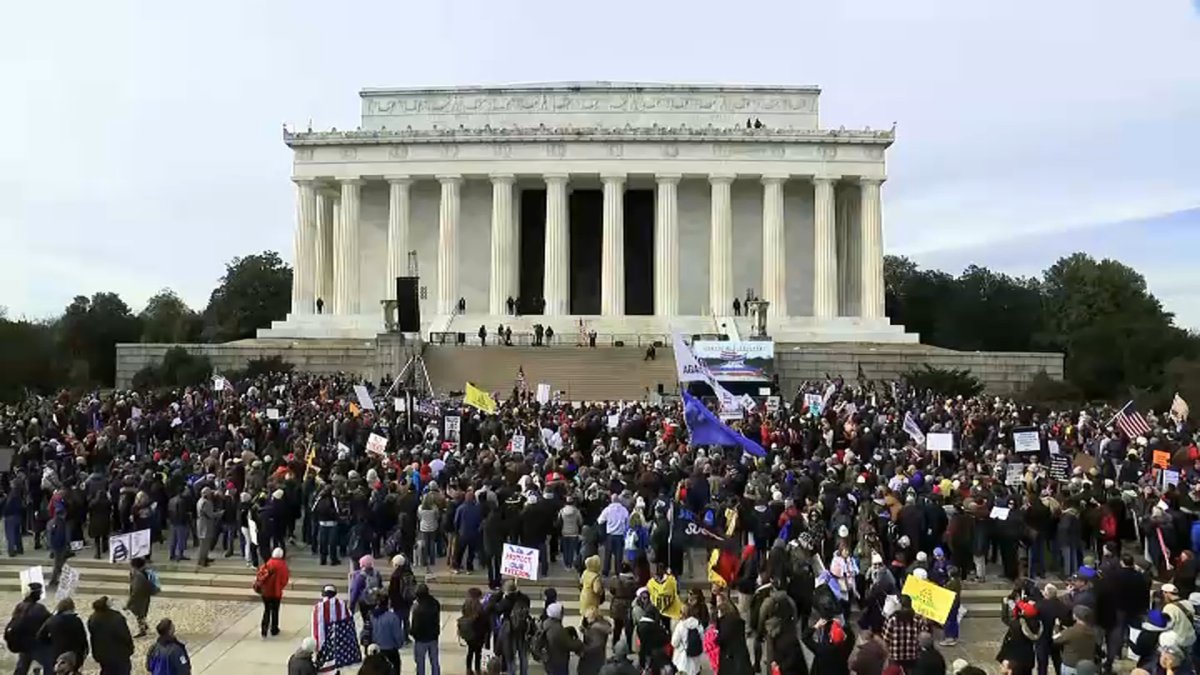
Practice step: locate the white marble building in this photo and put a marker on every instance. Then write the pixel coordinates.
(640, 207)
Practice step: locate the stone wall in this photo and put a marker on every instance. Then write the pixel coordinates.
(1001, 372)
(371, 358)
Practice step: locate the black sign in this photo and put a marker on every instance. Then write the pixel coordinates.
(1060, 466)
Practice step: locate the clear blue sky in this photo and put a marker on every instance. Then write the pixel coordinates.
(142, 145)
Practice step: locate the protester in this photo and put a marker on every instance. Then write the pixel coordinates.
(141, 589)
(561, 642)
(301, 661)
(168, 656)
(333, 629)
(596, 630)
(387, 633)
(687, 644)
(426, 626)
(270, 581)
(21, 634)
(731, 637)
(112, 644)
(65, 632)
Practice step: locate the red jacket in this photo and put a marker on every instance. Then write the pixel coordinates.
(274, 578)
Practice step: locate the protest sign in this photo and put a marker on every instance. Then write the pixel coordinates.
(1027, 440)
(31, 575)
(614, 421)
(1060, 467)
(364, 397)
(772, 404)
(125, 547)
(543, 393)
(1016, 471)
(747, 402)
(519, 562)
(1162, 459)
(1053, 446)
(813, 403)
(453, 424)
(928, 599)
(999, 513)
(398, 404)
(135, 413)
(940, 441)
(377, 444)
(518, 443)
(1169, 477)
(68, 581)
(272, 413)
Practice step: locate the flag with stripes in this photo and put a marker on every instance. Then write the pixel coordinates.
(913, 429)
(333, 629)
(1130, 422)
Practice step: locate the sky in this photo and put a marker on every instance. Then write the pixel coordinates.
(141, 140)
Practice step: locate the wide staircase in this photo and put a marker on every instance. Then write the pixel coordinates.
(603, 373)
(231, 580)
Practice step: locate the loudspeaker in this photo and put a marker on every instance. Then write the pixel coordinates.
(408, 310)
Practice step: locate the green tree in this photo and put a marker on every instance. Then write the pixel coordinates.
(167, 318)
(88, 333)
(1114, 332)
(29, 360)
(255, 291)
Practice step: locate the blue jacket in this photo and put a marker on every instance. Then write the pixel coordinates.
(385, 630)
(168, 657)
(468, 519)
(1196, 537)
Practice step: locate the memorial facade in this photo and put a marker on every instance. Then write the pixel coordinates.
(638, 207)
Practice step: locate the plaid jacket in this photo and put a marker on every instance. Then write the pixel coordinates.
(901, 637)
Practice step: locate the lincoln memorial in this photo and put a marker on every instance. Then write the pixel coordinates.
(639, 208)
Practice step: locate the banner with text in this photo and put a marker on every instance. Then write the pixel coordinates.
(737, 361)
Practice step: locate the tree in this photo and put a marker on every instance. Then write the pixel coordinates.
(167, 318)
(29, 360)
(89, 331)
(178, 369)
(255, 291)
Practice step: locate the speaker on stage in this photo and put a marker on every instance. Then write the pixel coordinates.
(408, 310)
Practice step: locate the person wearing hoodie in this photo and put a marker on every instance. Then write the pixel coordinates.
(301, 661)
(468, 524)
(591, 585)
(687, 631)
(619, 663)
(1024, 630)
(624, 590)
(27, 619)
(64, 631)
(426, 625)
(560, 642)
(112, 644)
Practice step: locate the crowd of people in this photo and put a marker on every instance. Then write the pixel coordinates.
(687, 555)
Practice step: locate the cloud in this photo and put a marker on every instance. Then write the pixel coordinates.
(144, 150)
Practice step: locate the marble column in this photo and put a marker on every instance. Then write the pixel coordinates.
(720, 261)
(398, 233)
(871, 249)
(304, 274)
(323, 260)
(612, 256)
(503, 250)
(345, 271)
(556, 289)
(448, 214)
(825, 277)
(774, 282)
(666, 246)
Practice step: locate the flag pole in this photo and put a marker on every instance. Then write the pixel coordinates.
(1110, 421)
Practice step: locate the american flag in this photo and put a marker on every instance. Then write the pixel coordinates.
(333, 629)
(1130, 422)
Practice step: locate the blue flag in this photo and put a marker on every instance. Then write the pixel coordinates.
(706, 429)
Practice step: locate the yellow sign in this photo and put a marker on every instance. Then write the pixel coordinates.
(928, 599)
(474, 396)
(665, 596)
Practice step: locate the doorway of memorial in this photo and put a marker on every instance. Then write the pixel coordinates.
(532, 250)
(639, 252)
(585, 209)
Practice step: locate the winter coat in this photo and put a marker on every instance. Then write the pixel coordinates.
(112, 644)
(140, 590)
(788, 653)
(831, 645)
(1017, 647)
(29, 618)
(592, 585)
(930, 662)
(168, 656)
(731, 638)
(426, 619)
(619, 666)
(275, 577)
(560, 644)
(595, 647)
(301, 663)
(100, 516)
(684, 664)
(64, 632)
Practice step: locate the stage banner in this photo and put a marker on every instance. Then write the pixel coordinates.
(737, 361)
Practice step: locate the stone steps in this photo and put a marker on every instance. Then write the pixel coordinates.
(231, 580)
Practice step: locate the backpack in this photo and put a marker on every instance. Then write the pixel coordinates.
(260, 578)
(155, 584)
(695, 643)
(466, 629)
(408, 587)
(539, 646)
(1108, 525)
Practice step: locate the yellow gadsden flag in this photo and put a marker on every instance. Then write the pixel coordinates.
(479, 398)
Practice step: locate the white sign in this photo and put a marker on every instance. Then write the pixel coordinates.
(850, 409)
(1053, 445)
(518, 443)
(940, 441)
(31, 575)
(398, 404)
(813, 403)
(68, 581)
(219, 383)
(272, 413)
(453, 424)
(1170, 477)
(748, 403)
(1016, 471)
(342, 447)
(614, 421)
(364, 397)
(772, 404)
(543, 393)
(377, 444)
(136, 413)
(752, 349)
(1027, 441)
(126, 547)
(519, 562)
(687, 366)
(1000, 513)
